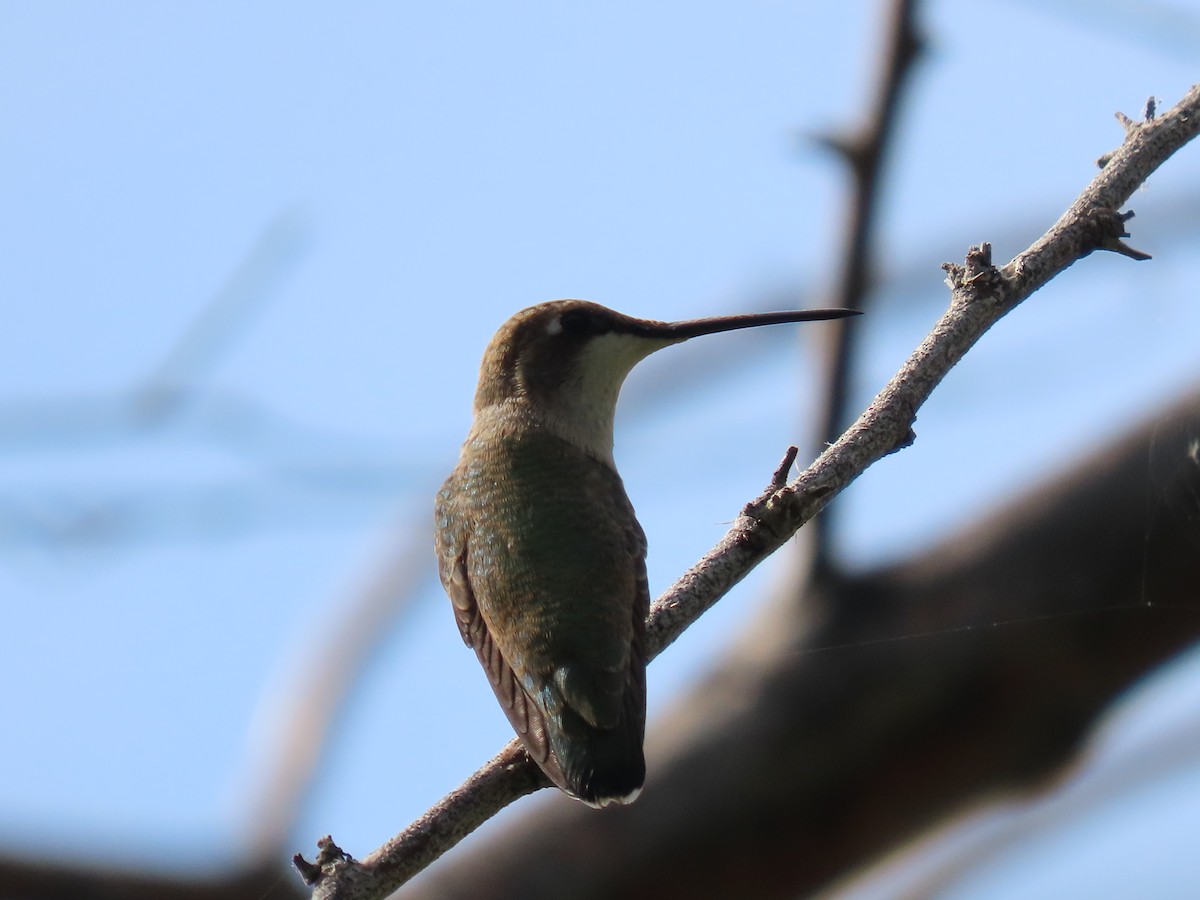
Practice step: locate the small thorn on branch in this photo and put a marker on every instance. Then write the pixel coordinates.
(905, 440)
(1118, 246)
(979, 261)
(954, 274)
(1131, 128)
(779, 479)
(817, 492)
(310, 872)
(976, 274)
(778, 495)
(1110, 228)
(331, 862)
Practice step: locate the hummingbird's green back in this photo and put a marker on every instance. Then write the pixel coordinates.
(545, 562)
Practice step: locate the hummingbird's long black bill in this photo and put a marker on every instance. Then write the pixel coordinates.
(691, 328)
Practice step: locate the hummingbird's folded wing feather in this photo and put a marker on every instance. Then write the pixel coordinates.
(522, 714)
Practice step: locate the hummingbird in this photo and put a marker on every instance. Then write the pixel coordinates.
(538, 546)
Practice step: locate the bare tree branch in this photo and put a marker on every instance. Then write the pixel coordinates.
(864, 151)
(981, 296)
(244, 291)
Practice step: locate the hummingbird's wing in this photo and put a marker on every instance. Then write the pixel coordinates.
(521, 713)
(597, 766)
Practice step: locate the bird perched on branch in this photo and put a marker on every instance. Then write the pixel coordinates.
(537, 542)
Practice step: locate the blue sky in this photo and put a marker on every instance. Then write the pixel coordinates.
(358, 196)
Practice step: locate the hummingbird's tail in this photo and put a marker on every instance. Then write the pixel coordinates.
(594, 729)
(598, 766)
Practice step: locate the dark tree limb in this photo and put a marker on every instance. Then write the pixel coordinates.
(41, 879)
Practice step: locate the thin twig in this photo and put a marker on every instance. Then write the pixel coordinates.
(245, 291)
(981, 296)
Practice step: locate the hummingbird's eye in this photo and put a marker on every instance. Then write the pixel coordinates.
(577, 321)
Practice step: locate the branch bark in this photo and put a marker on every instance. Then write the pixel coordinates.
(981, 295)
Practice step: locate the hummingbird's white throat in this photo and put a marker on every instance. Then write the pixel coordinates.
(582, 409)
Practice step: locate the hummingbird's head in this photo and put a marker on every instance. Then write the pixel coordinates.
(561, 364)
